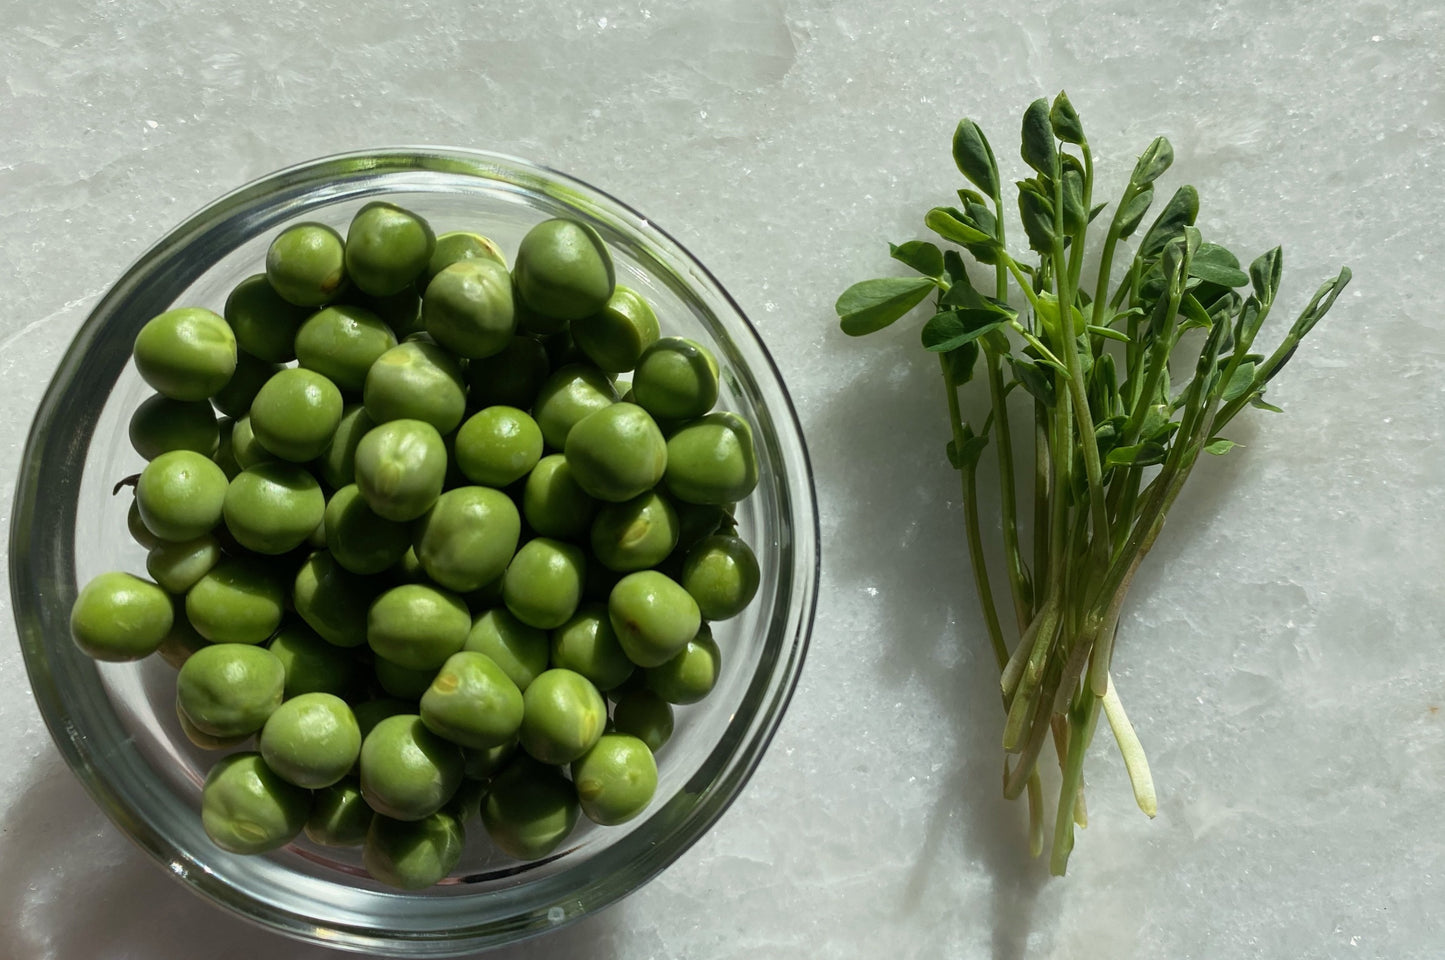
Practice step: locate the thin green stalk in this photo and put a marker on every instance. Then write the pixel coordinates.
(1008, 507)
(1135, 762)
(1083, 717)
(1106, 262)
(1042, 487)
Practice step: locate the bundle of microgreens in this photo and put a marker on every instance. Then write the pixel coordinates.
(1115, 434)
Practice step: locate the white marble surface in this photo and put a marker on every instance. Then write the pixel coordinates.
(1282, 654)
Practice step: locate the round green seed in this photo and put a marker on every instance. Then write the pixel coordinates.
(246, 808)
(519, 650)
(306, 264)
(230, 689)
(180, 495)
(187, 354)
(296, 413)
(311, 740)
(616, 779)
(118, 617)
(272, 508)
(416, 380)
(239, 600)
(387, 248)
(341, 343)
(417, 626)
(467, 308)
(615, 337)
(530, 808)
(411, 855)
(264, 323)
(160, 425)
(408, 772)
(472, 702)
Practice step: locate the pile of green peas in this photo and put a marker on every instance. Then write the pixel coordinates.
(434, 561)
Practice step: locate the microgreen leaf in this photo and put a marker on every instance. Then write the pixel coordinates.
(1179, 212)
(1037, 213)
(1143, 454)
(1239, 382)
(1320, 303)
(874, 304)
(1133, 212)
(1065, 120)
(1219, 446)
(1075, 216)
(1264, 274)
(973, 447)
(950, 329)
(1038, 383)
(974, 157)
(921, 255)
(1152, 163)
(1262, 404)
(967, 196)
(1108, 333)
(1217, 265)
(961, 363)
(949, 224)
(1037, 141)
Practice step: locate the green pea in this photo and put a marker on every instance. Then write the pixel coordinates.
(510, 378)
(417, 626)
(483, 764)
(562, 716)
(331, 600)
(467, 308)
(654, 617)
(264, 323)
(272, 508)
(118, 617)
(204, 740)
(635, 535)
(408, 568)
(161, 424)
(459, 246)
(247, 808)
(340, 816)
(408, 772)
(416, 380)
(238, 600)
(696, 521)
(137, 528)
(722, 575)
(616, 779)
(712, 460)
(644, 715)
(543, 583)
(563, 269)
(676, 379)
(400, 467)
(691, 673)
(401, 311)
(519, 650)
(413, 855)
(244, 448)
(225, 455)
(341, 343)
(187, 354)
(467, 801)
(404, 683)
(588, 645)
(337, 464)
(371, 712)
(468, 537)
(177, 566)
(312, 665)
(498, 446)
(472, 702)
(617, 452)
(529, 809)
(615, 337)
(306, 264)
(236, 397)
(358, 539)
(296, 413)
(180, 495)
(311, 740)
(554, 504)
(566, 397)
(181, 641)
(387, 248)
(230, 689)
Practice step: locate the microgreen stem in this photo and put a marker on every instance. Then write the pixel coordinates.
(1135, 762)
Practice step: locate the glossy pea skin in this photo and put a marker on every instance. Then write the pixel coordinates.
(341, 343)
(416, 380)
(509, 378)
(484, 764)
(387, 248)
(615, 780)
(331, 600)
(181, 641)
(417, 626)
(691, 673)
(359, 540)
(615, 337)
(306, 264)
(247, 808)
(644, 715)
(467, 308)
(264, 323)
(721, 573)
(186, 354)
(553, 503)
(567, 396)
(529, 809)
(230, 689)
(296, 413)
(712, 460)
(467, 538)
(244, 448)
(136, 527)
(400, 682)
(459, 246)
(400, 468)
(272, 508)
(563, 715)
(336, 466)
(311, 664)
(236, 397)
(497, 446)
(180, 495)
(518, 650)
(411, 855)
(205, 741)
(408, 772)
(617, 452)
(340, 816)
(676, 379)
(160, 425)
(587, 644)
(177, 566)
(225, 455)
(635, 535)
(543, 583)
(311, 740)
(239, 600)
(401, 311)
(118, 617)
(654, 617)
(563, 269)
(472, 702)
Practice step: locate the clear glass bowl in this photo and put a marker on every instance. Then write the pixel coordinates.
(115, 723)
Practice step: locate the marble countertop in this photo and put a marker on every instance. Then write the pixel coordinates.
(1280, 653)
